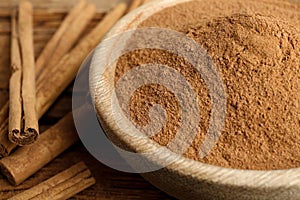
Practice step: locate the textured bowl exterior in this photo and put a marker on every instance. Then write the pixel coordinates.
(186, 178)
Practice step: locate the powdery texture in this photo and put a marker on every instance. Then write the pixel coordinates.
(258, 56)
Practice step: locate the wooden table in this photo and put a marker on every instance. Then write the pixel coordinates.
(111, 184)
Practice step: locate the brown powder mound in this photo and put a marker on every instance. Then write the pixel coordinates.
(182, 16)
(145, 97)
(259, 60)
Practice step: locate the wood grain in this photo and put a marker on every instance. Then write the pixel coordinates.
(62, 6)
(4, 96)
(62, 186)
(4, 61)
(111, 184)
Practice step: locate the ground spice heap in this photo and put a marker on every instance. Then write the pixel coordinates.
(258, 57)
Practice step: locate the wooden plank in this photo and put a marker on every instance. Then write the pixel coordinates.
(111, 184)
(4, 61)
(4, 26)
(3, 97)
(54, 6)
(60, 108)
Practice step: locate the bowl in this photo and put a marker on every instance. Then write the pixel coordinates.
(182, 178)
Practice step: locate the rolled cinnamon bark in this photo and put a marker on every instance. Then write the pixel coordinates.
(51, 46)
(134, 4)
(71, 35)
(146, 1)
(65, 71)
(30, 131)
(62, 186)
(27, 160)
(15, 99)
(7, 146)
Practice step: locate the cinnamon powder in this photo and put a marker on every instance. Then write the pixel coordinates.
(256, 48)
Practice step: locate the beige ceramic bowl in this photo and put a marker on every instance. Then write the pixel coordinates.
(186, 178)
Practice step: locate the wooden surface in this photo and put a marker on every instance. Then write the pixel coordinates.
(111, 184)
(61, 5)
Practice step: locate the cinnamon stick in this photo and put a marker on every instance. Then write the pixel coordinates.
(30, 131)
(134, 4)
(27, 160)
(15, 102)
(70, 36)
(60, 76)
(65, 71)
(62, 186)
(146, 1)
(51, 46)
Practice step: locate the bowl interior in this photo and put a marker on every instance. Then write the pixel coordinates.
(102, 85)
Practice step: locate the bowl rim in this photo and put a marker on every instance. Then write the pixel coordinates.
(182, 165)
